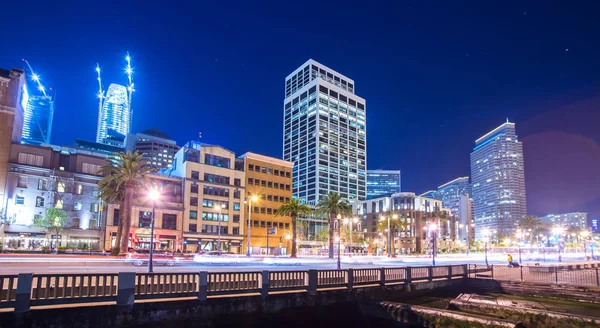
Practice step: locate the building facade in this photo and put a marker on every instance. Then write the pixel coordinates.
(13, 100)
(324, 134)
(168, 211)
(270, 180)
(575, 219)
(43, 177)
(414, 213)
(498, 181)
(383, 182)
(37, 119)
(114, 118)
(157, 148)
(455, 197)
(213, 197)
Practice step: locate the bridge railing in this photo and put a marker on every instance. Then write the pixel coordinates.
(572, 274)
(25, 290)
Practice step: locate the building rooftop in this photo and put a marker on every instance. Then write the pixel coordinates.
(156, 133)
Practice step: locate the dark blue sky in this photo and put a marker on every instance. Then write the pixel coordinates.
(436, 76)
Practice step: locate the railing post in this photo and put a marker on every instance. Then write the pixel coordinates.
(449, 272)
(23, 298)
(521, 267)
(350, 273)
(203, 286)
(313, 280)
(466, 272)
(408, 275)
(492, 272)
(126, 288)
(264, 290)
(597, 278)
(556, 274)
(382, 276)
(430, 273)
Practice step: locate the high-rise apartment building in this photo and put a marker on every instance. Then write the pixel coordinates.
(13, 100)
(114, 118)
(324, 134)
(157, 148)
(383, 182)
(455, 195)
(270, 180)
(575, 219)
(498, 181)
(37, 119)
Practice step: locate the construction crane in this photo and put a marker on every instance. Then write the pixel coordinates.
(100, 99)
(35, 77)
(130, 87)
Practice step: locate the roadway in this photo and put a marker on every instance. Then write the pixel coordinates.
(58, 264)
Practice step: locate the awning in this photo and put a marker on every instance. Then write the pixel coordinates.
(191, 239)
(167, 237)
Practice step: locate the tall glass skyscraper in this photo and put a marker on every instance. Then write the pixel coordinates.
(383, 182)
(324, 133)
(450, 193)
(37, 119)
(498, 181)
(115, 116)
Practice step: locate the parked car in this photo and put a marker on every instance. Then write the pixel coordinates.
(141, 257)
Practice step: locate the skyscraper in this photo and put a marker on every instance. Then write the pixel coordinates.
(383, 182)
(498, 181)
(37, 119)
(450, 193)
(324, 134)
(115, 117)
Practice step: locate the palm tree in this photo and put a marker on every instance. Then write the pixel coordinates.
(124, 173)
(110, 193)
(331, 206)
(293, 208)
(397, 223)
(530, 223)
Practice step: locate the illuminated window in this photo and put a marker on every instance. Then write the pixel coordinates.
(19, 200)
(79, 189)
(60, 187)
(42, 184)
(59, 204)
(94, 207)
(22, 182)
(39, 201)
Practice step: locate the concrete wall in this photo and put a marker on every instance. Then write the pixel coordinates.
(157, 313)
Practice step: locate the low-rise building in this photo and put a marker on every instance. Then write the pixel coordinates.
(270, 180)
(415, 213)
(51, 176)
(574, 219)
(212, 191)
(157, 148)
(168, 211)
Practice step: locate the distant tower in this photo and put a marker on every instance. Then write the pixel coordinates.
(38, 113)
(114, 116)
(114, 112)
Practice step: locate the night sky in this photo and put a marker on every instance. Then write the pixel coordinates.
(435, 77)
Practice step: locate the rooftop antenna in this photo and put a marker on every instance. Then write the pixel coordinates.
(199, 136)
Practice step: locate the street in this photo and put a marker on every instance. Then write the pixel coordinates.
(59, 264)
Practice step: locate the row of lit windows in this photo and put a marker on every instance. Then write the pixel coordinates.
(268, 184)
(268, 170)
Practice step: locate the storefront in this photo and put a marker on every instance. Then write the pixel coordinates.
(199, 244)
(24, 241)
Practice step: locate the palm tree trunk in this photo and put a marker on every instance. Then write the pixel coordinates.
(294, 227)
(128, 204)
(119, 229)
(331, 220)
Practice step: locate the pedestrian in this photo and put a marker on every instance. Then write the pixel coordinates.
(510, 261)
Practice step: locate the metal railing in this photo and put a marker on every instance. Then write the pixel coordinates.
(580, 275)
(25, 290)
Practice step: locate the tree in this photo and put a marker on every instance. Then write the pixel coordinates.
(125, 173)
(531, 224)
(331, 206)
(111, 193)
(293, 208)
(53, 221)
(4, 219)
(395, 223)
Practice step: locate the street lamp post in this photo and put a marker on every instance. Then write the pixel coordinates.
(339, 262)
(219, 208)
(433, 227)
(253, 198)
(153, 195)
(486, 234)
(351, 223)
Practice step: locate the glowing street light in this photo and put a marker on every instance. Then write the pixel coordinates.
(351, 223)
(431, 228)
(253, 198)
(153, 195)
(486, 234)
